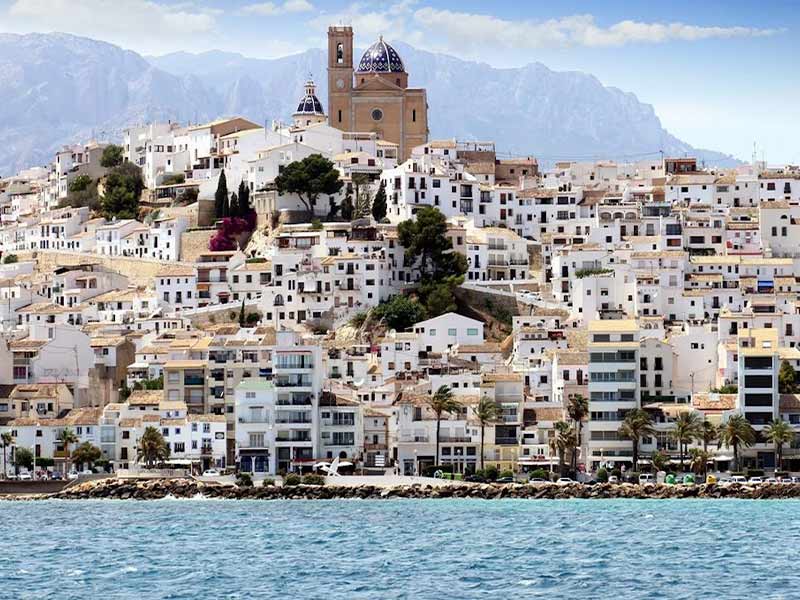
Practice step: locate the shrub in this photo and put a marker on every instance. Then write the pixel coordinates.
(244, 480)
(601, 475)
(173, 179)
(268, 482)
(755, 472)
(10, 259)
(358, 319)
(313, 479)
(490, 473)
(429, 471)
(316, 224)
(540, 474)
(581, 273)
(252, 318)
(291, 479)
(506, 473)
(616, 473)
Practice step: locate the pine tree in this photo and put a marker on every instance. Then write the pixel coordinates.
(379, 203)
(241, 315)
(221, 196)
(233, 209)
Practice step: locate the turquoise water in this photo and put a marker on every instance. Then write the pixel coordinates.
(400, 549)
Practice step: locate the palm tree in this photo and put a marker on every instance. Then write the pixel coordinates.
(779, 432)
(577, 409)
(637, 424)
(6, 440)
(708, 434)
(487, 411)
(86, 454)
(152, 447)
(565, 443)
(65, 438)
(687, 427)
(443, 401)
(699, 461)
(736, 433)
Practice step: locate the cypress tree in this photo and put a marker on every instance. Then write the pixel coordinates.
(233, 210)
(221, 196)
(379, 203)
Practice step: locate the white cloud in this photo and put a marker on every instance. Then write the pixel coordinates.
(469, 31)
(141, 25)
(267, 9)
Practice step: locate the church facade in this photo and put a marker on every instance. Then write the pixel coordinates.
(375, 97)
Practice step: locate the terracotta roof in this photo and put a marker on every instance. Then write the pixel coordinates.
(709, 401)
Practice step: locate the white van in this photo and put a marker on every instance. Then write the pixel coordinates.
(646, 478)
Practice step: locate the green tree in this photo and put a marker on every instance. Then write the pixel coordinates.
(86, 454)
(66, 437)
(123, 187)
(779, 432)
(221, 196)
(737, 433)
(685, 429)
(636, 425)
(699, 461)
(565, 444)
(363, 196)
(400, 312)
(443, 401)
(708, 434)
(10, 259)
(6, 440)
(152, 447)
(578, 410)
(112, 156)
(660, 461)
(427, 245)
(244, 199)
(487, 412)
(347, 208)
(23, 458)
(308, 178)
(379, 203)
(233, 207)
(242, 317)
(786, 379)
(439, 299)
(79, 184)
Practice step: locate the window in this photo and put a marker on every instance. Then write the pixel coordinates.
(451, 331)
(377, 114)
(472, 331)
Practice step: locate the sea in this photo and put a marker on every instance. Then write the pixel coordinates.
(384, 549)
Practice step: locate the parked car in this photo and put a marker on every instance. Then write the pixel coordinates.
(72, 475)
(56, 476)
(756, 480)
(738, 479)
(86, 472)
(211, 473)
(613, 479)
(475, 478)
(564, 481)
(537, 480)
(646, 478)
(770, 480)
(25, 477)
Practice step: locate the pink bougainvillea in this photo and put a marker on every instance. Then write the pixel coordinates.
(229, 231)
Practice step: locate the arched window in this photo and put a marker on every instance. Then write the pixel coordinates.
(339, 53)
(414, 115)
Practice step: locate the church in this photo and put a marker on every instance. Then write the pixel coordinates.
(375, 97)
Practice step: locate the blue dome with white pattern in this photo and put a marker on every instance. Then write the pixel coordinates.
(381, 58)
(309, 103)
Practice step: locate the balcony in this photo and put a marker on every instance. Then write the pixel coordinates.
(193, 380)
(375, 447)
(506, 441)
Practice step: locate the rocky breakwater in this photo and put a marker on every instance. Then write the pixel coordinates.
(154, 489)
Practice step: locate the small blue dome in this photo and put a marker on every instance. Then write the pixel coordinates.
(310, 104)
(381, 58)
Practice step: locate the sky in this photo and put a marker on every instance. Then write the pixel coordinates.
(721, 75)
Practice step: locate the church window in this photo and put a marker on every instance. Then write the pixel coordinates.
(377, 114)
(414, 115)
(340, 116)
(339, 53)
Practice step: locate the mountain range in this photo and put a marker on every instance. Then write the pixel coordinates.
(58, 88)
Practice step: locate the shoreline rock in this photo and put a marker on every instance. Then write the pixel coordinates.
(156, 489)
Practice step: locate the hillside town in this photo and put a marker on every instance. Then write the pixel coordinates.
(238, 297)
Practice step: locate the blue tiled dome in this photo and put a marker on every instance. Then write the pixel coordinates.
(381, 58)
(310, 104)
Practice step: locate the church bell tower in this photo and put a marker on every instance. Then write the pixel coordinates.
(340, 77)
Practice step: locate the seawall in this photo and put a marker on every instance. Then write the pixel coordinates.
(153, 489)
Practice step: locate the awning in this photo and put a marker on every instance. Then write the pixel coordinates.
(179, 461)
(723, 457)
